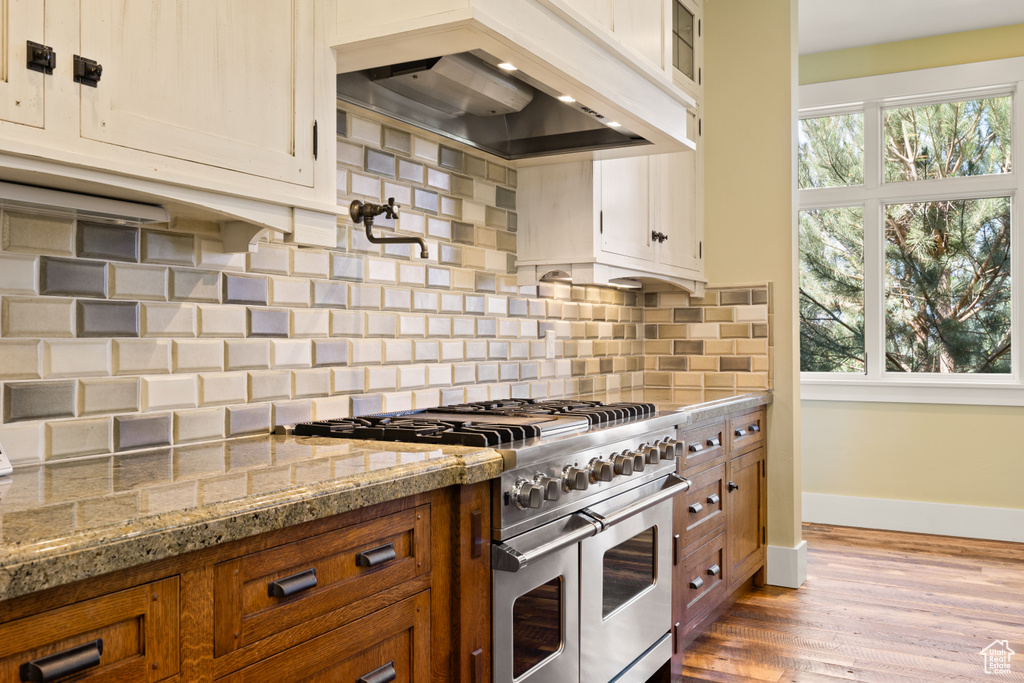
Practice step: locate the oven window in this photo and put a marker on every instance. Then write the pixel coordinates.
(628, 570)
(536, 626)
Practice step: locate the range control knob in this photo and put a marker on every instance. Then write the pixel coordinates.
(623, 464)
(575, 479)
(601, 470)
(651, 454)
(526, 494)
(552, 487)
(670, 448)
(638, 460)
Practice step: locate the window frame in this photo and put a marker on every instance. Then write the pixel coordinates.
(870, 96)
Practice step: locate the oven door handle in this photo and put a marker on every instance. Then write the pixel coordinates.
(674, 485)
(508, 559)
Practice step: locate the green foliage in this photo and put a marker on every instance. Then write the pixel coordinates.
(831, 152)
(947, 263)
(832, 290)
(948, 140)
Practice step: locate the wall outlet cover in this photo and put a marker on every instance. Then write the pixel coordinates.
(5, 464)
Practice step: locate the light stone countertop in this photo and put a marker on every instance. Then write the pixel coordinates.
(64, 521)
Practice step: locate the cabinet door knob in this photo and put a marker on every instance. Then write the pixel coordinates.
(290, 585)
(372, 558)
(697, 583)
(384, 674)
(41, 58)
(714, 570)
(62, 664)
(696, 507)
(733, 486)
(713, 499)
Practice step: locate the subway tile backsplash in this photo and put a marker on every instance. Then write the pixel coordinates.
(116, 338)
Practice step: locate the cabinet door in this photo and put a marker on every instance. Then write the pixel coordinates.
(392, 644)
(679, 195)
(226, 83)
(745, 515)
(638, 24)
(21, 89)
(686, 44)
(597, 10)
(625, 207)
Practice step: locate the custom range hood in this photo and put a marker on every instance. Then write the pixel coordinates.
(526, 80)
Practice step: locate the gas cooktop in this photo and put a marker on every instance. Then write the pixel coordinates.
(484, 423)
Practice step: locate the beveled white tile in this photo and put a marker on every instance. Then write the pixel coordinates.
(77, 358)
(452, 350)
(425, 301)
(75, 438)
(247, 354)
(138, 283)
(197, 355)
(311, 383)
(383, 378)
(366, 351)
(37, 318)
(19, 359)
(331, 408)
(268, 258)
(311, 263)
(364, 130)
(168, 320)
(412, 274)
(411, 376)
(439, 375)
(23, 443)
(19, 274)
(103, 396)
(164, 393)
(426, 398)
(141, 356)
(412, 325)
(397, 351)
(396, 402)
(311, 323)
(221, 321)
(291, 353)
(223, 388)
(211, 255)
(269, 385)
(288, 291)
(346, 324)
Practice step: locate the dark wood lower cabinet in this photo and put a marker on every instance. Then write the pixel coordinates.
(719, 524)
(399, 591)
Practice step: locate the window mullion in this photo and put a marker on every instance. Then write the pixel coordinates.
(874, 298)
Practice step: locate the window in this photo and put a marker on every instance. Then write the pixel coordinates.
(907, 234)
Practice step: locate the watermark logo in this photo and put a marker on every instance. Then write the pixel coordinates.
(997, 657)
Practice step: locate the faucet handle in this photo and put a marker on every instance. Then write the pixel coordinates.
(390, 210)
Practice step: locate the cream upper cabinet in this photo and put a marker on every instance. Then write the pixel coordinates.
(679, 195)
(638, 24)
(597, 10)
(226, 84)
(686, 45)
(21, 88)
(624, 221)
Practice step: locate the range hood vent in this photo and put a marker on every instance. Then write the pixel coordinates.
(464, 97)
(456, 85)
(87, 207)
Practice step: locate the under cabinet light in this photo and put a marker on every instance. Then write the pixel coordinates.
(613, 124)
(85, 206)
(566, 98)
(507, 67)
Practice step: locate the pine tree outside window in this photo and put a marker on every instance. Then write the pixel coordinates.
(907, 233)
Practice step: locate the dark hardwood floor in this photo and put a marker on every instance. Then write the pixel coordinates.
(878, 606)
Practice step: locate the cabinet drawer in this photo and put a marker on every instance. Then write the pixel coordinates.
(701, 509)
(393, 644)
(702, 445)
(702, 580)
(267, 592)
(131, 635)
(746, 430)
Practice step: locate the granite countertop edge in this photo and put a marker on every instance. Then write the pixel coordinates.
(34, 567)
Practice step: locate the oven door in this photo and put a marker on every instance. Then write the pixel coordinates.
(535, 581)
(625, 579)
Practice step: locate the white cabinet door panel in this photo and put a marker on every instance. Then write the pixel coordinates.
(625, 207)
(639, 24)
(226, 83)
(21, 89)
(679, 211)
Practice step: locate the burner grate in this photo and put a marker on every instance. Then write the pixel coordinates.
(454, 432)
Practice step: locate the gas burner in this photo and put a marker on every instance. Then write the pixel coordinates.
(410, 428)
(596, 412)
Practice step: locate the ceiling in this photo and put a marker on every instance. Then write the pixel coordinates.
(839, 24)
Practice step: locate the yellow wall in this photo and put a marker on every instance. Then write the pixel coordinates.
(908, 55)
(749, 119)
(965, 455)
(969, 455)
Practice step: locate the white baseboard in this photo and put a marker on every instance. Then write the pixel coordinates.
(967, 521)
(787, 567)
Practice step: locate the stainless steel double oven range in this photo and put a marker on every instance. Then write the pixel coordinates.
(582, 530)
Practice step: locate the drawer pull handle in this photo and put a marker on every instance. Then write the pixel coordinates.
(714, 570)
(696, 507)
(754, 428)
(713, 499)
(695, 447)
(715, 442)
(733, 486)
(66, 663)
(385, 674)
(371, 558)
(741, 432)
(697, 583)
(290, 585)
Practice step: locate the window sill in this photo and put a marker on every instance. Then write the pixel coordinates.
(999, 392)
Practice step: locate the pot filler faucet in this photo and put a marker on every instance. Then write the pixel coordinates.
(365, 213)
